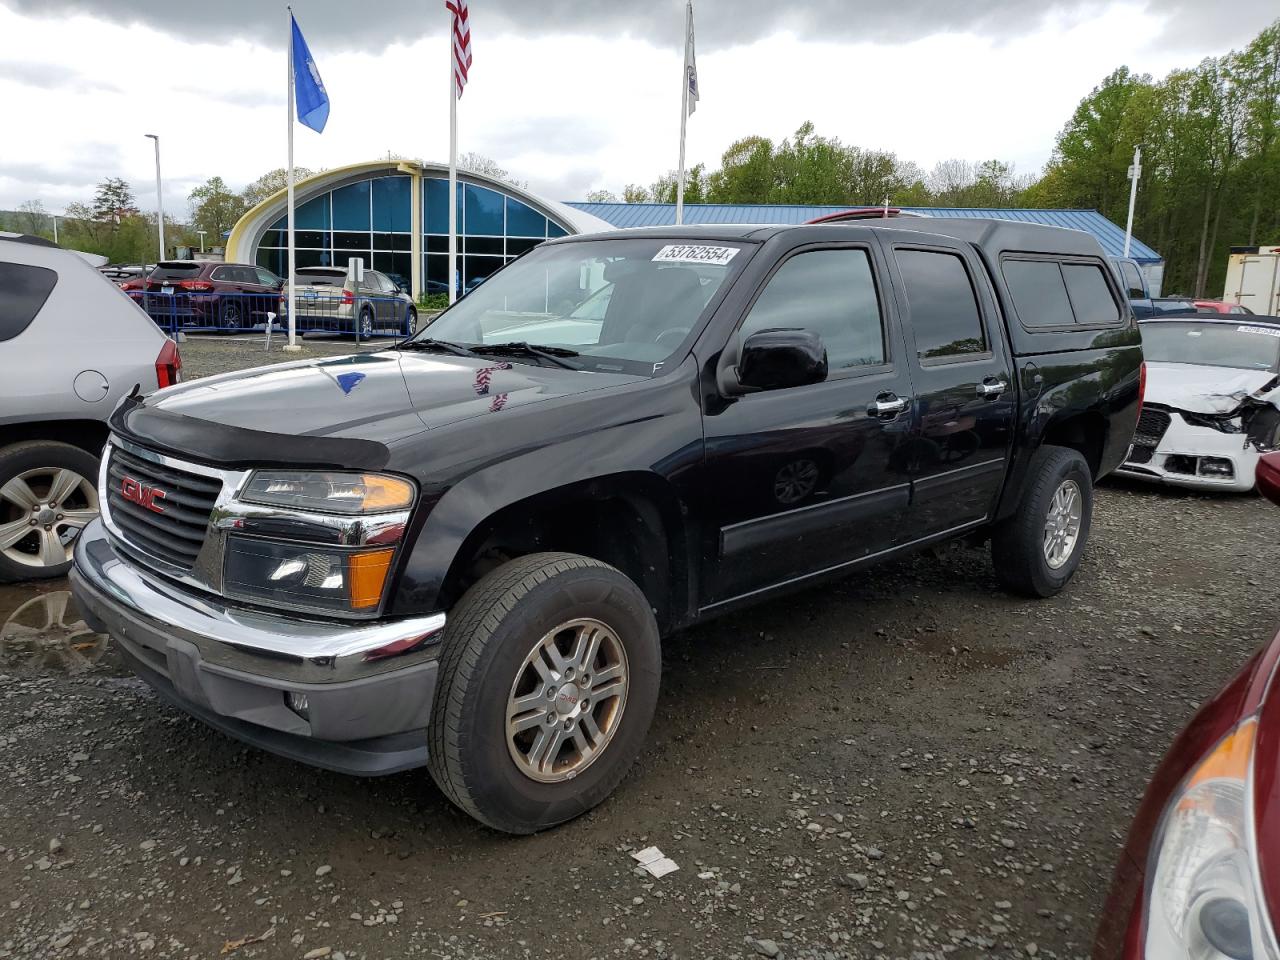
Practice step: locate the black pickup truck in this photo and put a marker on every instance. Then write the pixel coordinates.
(462, 552)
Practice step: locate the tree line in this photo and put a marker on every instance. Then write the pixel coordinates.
(1210, 136)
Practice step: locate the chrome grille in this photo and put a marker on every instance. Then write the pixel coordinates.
(176, 531)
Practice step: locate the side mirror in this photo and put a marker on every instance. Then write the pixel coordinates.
(1268, 476)
(776, 359)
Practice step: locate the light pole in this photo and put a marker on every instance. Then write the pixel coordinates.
(202, 233)
(1135, 171)
(159, 199)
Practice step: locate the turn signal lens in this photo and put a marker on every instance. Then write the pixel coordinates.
(368, 576)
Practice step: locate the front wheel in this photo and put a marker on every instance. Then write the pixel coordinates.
(548, 682)
(47, 496)
(1037, 550)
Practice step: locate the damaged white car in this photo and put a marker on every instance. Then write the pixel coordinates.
(1212, 401)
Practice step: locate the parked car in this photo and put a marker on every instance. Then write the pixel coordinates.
(378, 304)
(1134, 282)
(1221, 306)
(1213, 403)
(1199, 876)
(70, 347)
(461, 553)
(210, 294)
(121, 273)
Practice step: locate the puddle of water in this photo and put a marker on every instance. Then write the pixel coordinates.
(42, 632)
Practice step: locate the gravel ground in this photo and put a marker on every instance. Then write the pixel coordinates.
(908, 764)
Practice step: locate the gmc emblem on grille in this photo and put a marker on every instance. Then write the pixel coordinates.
(141, 494)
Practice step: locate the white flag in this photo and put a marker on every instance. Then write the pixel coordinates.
(690, 65)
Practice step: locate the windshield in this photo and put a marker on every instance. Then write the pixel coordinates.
(1243, 346)
(622, 306)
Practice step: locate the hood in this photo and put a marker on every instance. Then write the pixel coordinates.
(290, 412)
(1202, 389)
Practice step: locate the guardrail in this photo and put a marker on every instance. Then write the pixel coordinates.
(363, 317)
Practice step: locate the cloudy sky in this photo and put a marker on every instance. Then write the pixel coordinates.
(569, 95)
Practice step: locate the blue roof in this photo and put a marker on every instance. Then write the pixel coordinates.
(662, 214)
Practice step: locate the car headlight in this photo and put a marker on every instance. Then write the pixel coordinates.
(305, 576)
(1203, 897)
(348, 494)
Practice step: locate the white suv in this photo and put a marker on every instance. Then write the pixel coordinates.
(71, 346)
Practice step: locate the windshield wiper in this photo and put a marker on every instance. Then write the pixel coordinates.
(426, 343)
(520, 348)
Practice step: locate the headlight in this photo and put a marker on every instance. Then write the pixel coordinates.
(301, 575)
(1203, 898)
(349, 494)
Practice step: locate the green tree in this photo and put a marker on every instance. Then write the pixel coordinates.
(634, 193)
(602, 196)
(271, 182)
(34, 219)
(215, 209)
(113, 202)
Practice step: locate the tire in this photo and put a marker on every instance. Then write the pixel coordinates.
(232, 317)
(493, 631)
(31, 469)
(412, 321)
(366, 324)
(1019, 544)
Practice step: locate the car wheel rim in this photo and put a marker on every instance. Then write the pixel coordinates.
(1062, 525)
(231, 318)
(41, 513)
(567, 700)
(795, 481)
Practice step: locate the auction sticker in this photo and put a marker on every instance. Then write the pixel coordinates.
(695, 253)
(1265, 331)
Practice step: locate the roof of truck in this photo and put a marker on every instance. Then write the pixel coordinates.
(994, 235)
(625, 215)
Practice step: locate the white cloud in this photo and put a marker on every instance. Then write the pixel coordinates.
(567, 113)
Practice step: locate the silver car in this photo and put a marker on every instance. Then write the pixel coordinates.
(71, 347)
(329, 301)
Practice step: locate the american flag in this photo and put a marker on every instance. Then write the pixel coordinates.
(461, 43)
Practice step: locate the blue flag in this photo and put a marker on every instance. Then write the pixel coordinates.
(312, 101)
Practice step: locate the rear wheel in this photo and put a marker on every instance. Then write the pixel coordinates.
(366, 323)
(47, 496)
(548, 682)
(232, 315)
(1037, 550)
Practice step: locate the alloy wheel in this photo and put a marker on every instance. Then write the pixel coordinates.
(1062, 525)
(41, 513)
(567, 700)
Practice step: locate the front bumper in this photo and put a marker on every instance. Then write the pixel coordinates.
(236, 669)
(1176, 458)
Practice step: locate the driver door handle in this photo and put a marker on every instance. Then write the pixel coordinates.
(991, 387)
(888, 405)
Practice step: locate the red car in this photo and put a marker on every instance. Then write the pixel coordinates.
(1199, 878)
(1221, 306)
(205, 294)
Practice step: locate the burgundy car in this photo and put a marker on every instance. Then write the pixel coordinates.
(1199, 878)
(208, 294)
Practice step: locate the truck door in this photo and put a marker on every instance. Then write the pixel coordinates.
(962, 379)
(804, 479)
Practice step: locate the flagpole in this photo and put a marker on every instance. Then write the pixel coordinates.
(453, 169)
(684, 113)
(292, 264)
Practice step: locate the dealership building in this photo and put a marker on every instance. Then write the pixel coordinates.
(394, 215)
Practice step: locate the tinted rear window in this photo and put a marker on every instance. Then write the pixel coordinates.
(1090, 294)
(23, 291)
(322, 276)
(944, 310)
(1039, 293)
(176, 271)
